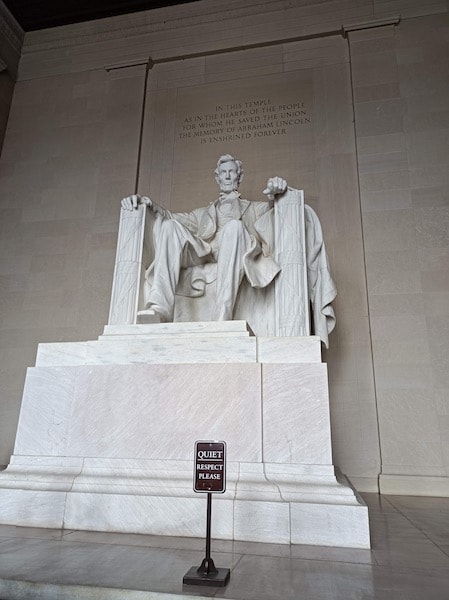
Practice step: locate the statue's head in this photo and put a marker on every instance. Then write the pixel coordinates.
(229, 173)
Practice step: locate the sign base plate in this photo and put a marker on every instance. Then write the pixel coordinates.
(218, 579)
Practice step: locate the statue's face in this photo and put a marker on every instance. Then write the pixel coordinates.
(227, 177)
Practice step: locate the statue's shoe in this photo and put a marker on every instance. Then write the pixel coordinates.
(152, 315)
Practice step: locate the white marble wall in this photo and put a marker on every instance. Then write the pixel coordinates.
(71, 151)
(401, 91)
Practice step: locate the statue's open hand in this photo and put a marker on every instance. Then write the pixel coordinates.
(275, 186)
(132, 202)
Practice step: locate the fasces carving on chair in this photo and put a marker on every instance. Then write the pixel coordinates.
(235, 258)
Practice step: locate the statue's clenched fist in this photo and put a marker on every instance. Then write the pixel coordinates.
(275, 186)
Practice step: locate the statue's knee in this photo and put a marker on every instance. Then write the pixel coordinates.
(168, 226)
(233, 227)
(171, 230)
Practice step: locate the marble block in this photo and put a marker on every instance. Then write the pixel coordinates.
(107, 430)
(289, 349)
(31, 508)
(262, 502)
(141, 411)
(210, 328)
(317, 524)
(45, 416)
(296, 414)
(158, 343)
(258, 521)
(154, 515)
(201, 349)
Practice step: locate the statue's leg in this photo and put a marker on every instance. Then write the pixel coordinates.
(170, 257)
(234, 241)
(167, 265)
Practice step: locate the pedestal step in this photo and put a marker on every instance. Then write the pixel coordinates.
(180, 343)
(263, 502)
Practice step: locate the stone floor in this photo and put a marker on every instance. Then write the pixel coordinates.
(409, 560)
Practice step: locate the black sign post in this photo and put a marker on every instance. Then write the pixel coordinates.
(209, 477)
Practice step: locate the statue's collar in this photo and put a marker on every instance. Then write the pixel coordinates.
(239, 205)
(228, 197)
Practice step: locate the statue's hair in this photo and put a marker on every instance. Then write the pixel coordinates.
(229, 158)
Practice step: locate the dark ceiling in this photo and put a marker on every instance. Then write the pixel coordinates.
(39, 14)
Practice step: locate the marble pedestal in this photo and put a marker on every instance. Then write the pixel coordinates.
(107, 429)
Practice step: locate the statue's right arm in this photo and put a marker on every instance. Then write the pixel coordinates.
(132, 202)
(190, 220)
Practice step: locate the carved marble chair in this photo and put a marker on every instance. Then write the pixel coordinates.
(281, 309)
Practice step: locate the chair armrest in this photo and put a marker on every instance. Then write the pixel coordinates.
(291, 294)
(134, 253)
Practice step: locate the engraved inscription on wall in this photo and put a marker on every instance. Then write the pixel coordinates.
(259, 118)
(268, 122)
